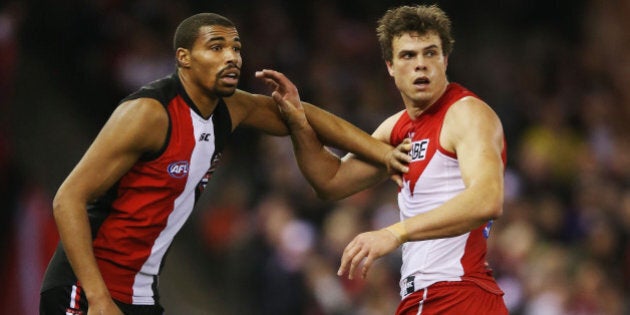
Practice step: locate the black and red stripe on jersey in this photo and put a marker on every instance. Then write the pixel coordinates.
(134, 224)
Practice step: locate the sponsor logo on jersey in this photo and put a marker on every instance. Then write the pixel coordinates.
(205, 136)
(178, 169)
(419, 150)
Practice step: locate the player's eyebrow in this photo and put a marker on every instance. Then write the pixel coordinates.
(222, 38)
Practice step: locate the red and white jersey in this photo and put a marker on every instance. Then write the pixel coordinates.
(135, 223)
(434, 177)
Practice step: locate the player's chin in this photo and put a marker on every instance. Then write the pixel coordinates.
(226, 91)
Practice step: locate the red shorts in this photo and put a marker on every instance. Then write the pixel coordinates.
(458, 297)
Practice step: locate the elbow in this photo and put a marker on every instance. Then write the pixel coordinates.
(494, 207)
(492, 203)
(64, 204)
(328, 195)
(495, 212)
(331, 192)
(58, 205)
(327, 190)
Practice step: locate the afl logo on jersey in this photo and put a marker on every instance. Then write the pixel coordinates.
(178, 169)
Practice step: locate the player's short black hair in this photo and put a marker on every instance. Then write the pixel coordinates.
(188, 30)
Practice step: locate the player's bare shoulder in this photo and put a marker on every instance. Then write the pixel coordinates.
(144, 111)
(144, 119)
(384, 131)
(470, 118)
(469, 112)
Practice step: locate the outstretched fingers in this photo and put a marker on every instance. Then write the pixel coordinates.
(283, 89)
(281, 83)
(366, 248)
(286, 96)
(367, 264)
(353, 255)
(402, 153)
(399, 160)
(270, 82)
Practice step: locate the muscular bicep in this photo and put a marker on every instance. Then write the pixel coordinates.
(474, 132)
(135, 128)
(256, 111)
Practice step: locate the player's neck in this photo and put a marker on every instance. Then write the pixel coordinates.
(204, 101)
(415, 108)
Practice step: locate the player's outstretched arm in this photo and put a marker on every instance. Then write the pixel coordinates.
(334, 131)
(332, 177)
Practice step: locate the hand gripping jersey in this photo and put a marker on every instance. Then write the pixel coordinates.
(433, 178)
(134, 224)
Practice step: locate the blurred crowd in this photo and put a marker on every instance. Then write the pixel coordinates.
(260, 241)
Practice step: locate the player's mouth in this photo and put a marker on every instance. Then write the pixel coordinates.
(230, 76)
(421, 82)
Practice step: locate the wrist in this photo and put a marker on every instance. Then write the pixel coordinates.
(95, 294)
(387, 158)
(399, 231)
(297, 125)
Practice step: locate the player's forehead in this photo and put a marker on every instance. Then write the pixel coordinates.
(210, 33)
(416, 41)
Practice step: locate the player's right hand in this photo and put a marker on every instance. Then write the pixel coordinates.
(364, 249)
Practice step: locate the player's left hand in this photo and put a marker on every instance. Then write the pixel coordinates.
(286, 96)
(366, 247)
(398, 161)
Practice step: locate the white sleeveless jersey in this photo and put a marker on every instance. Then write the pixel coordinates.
(434, 177)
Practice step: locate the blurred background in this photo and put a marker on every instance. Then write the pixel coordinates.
(260, 242)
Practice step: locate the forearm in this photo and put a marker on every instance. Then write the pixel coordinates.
(341, 134)
(318, 165)
(74, 231)
(331, 177)
(467, 211)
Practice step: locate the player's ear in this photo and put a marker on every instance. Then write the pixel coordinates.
(390, 68)
(182, 55)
